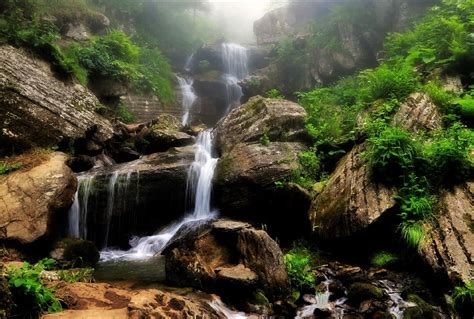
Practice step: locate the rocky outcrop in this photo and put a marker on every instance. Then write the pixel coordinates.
(279, 120)
(39, 110)
(259, 143)
(136, 197)
(227, 257)
(418, 113)
(31, 200)
(449, 246)
(351, 200)
(87, 300)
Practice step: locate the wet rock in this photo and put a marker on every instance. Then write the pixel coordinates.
(449, 246)
(351, 200)
(81, 163)
(418, 113)
(73, 252)
(361, 291)
(147, 194)
(420, 309)
(228, 257)
(280, 120)
(32, 199)
(102, 300)
(77, 32)
(39, 110)
(126, 154)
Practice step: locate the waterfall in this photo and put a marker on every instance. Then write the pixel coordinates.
(188, 97)
(199, 187)
(189, 61)
(235, 60)
(78, 211)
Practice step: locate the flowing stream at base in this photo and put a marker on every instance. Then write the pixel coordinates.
(198, 190)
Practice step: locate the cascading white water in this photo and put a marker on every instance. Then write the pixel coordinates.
(188, 97)
(189, 61)
(235, 60)
(78, 211)
(199, 186)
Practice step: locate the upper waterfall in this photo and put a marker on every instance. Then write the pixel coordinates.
(235, 60)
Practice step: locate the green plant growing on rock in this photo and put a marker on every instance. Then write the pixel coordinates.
(6, 168)
(463, 297)
(298, 262)
(28, 291)
(264, 139)
(77, 275)
(274, 94)
(383, 259)
(123, 114)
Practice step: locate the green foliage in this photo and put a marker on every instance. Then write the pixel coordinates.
(463, 297)
(438, 95)
(6, 168)
(383, 259)
(449, 154)
(309, 170)
(413, 233)
(465, 106)
(264, 139)
(274, 94)
(443, 37)
(123, 114)
(392, 153)
(385, 82)
(77, 275)
(28, 290)
(298, 262)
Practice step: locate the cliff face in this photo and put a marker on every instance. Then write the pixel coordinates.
(39, 110)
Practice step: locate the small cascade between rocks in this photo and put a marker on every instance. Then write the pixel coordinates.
(118, 185)
(199, 187)
(235, 60)
(77, 227)
(188, 97)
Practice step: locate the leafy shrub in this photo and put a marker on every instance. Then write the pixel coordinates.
(309, 170)
(463, 298)
(29, 292)
(443, 37)
(449, 154)
(123, 114)
(393, 153)
(387, 82)
(439, 96)
(466, 107)
(6, 168)
(298, 262)
(274, 94)
(383, 259)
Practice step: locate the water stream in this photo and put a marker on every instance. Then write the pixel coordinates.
(235, 61)
(188, 97)
(199, 187)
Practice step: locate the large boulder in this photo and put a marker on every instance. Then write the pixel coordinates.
(33, 199)
(134, 198)
(259, 143)
(418, 113)
(99, 300)
(279, 120)
(227, 257)
(351, 200)
(37, 109)
(449, 246)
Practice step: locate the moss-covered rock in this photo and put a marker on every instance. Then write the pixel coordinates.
(421, 310)
(360, 291)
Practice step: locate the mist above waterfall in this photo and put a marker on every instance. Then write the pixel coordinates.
(235, 18)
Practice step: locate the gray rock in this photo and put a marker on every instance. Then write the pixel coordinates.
(38, 110)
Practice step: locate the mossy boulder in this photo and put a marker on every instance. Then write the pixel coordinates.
(76, 252)
(361, 291)
(421, 310)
